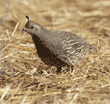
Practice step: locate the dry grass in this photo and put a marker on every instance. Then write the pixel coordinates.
(29, 81)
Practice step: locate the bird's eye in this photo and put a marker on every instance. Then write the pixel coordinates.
(32, 27)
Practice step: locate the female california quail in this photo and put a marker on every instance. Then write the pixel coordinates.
(57, 48)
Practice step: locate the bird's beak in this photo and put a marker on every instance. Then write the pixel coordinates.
(23, 30)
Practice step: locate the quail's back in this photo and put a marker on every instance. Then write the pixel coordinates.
(57, 48)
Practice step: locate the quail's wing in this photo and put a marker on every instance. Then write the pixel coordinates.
(74, 51)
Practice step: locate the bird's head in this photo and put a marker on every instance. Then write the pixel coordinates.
(32, 27)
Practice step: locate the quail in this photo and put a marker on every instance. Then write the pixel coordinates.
(57, 48)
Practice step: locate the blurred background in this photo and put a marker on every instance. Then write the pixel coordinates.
(87, 18)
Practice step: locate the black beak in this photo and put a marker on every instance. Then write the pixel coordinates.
(23, 30)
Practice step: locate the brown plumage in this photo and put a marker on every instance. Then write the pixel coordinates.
(57, 48)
